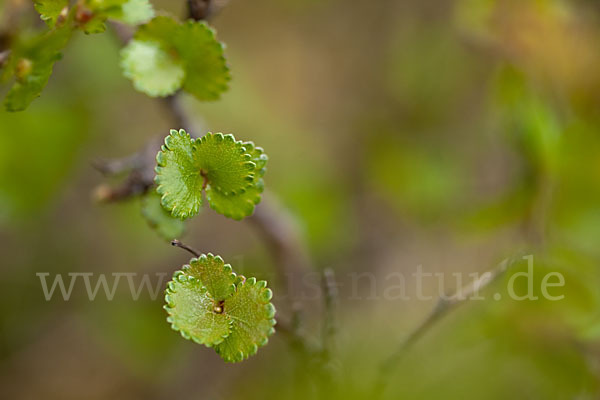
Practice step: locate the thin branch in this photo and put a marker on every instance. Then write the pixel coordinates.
(181, 245)
(178, 114)
(443, 307)
(4, 55)
(123, 32)
(131, 187)
(279, 232)
(329, 324)
(297, 341)
(200, 9)
(140, 178)
(117, 165)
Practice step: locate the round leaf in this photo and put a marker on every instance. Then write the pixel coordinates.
(225, 163)
(252, 317)
(193, 312)
(237, 206)
(152, 70)
(207, 73)
(242, 205)
(215, 275)
(195, 46)
(178, 176)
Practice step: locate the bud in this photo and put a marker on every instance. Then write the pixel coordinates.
(24, 67)
(62, 17)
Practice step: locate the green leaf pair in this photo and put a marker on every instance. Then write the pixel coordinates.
(165, 56)
(229, 171)
(211, 305)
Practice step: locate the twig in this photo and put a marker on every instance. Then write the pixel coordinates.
(279, 232)
(117, 165)
(443, 307)
(141, 176)
(297, 341)
(200, 9)
(178, 114)
(123, 32)
(329, 325)
(4, 55)
(181, 245)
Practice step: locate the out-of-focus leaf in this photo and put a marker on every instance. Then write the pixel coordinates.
(52, 136)
(31, 62)
(151, 69)
(160, 219)
(191, 45)
(133, 12)
(207, 74)
(50, 10)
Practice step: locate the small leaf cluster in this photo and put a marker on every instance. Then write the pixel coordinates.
(228, 171)
(166, 56)
(32, 57)
(211, 305)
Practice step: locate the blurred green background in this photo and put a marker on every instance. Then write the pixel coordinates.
(447, 134)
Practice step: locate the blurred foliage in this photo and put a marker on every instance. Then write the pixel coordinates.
(37, 152)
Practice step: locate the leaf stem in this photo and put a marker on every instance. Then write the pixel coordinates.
(181, 245)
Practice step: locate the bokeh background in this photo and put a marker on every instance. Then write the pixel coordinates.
(447, 134)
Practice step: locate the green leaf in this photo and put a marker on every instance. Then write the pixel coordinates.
(211, 305)
(242, 204)
(133, 12)
(178, 176)
(50, 10)
(212, 271)
(161, 29)
(92, 14)
(253, 320)
(186, 166)
(237, 206)
(227, 166)
(151, 69)
(32, 63)
(207, 73)
(96, 24)
(194, 47)
(193, 312)
(160, 219)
